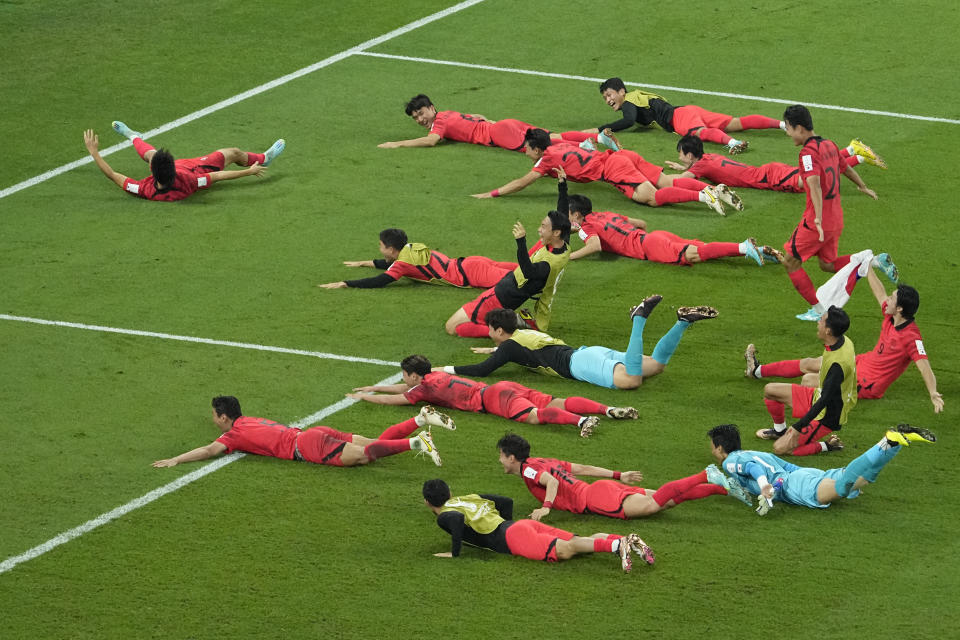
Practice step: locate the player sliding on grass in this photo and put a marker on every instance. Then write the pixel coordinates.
(775, 480)
(320, 445)
(402, 259)
(601, 366)
(555, 484)
(505, 399)
(177, 179)
(486, 521)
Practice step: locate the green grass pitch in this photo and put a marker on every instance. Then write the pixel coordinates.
(265, 548)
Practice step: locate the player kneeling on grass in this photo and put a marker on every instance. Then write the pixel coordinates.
(485, 521)
(505, 399)
(320, 445)
(774, 479)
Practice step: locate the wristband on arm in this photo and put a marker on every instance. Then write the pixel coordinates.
(548, 504)
(616, 475)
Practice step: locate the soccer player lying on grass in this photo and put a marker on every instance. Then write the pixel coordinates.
(536, 277)
(601, 366)
(416, 261)
(470, 127)
(634, 177)
(822, 410)
(555, 484)
(773, 176)
(486, 521)
(775, 480)
(319, 445)
(506, 399)
(644, 108)
(177, 179)
(900, 344)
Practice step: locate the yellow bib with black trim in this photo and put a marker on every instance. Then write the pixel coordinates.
(846, 357)
(479, 513)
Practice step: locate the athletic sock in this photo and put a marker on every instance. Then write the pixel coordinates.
(473, 330)
(672, 195)
(714, 250)
(584, 406)
(714, 135)
(854, 160)
(633, 359)
(552, 415)
(777, 411)
(804, 285)
(841, 262)
(383, 448)
(689, 183)
(606, 544)
(810, 449)
(868, 465)
(400, 430)
(700, 491)
(255, 157)
(669, 342)
(782, 369)
(333, 433)
(674, 488)
(141, 146)
(758, 122)
(577, 136)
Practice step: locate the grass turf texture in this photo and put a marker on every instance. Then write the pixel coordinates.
(266, 547)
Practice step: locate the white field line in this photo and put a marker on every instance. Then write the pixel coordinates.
(211, 341)
(564, 76)
(158, 493)
(243, 96)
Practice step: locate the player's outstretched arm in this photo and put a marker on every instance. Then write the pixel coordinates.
(429, 140)
(930, 380)
(333, 285)
(253, 170)
(876, 287)
(628, 477)
(384, 388)
(92, 142)
(511, 187)
(591, 246)
(200, 453)
(552, 485)
(854, 177)
(391, 398)
(359, 263)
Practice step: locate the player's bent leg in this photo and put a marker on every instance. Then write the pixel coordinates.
(692, 254)
(646, 194)
(652, 367)
(233, 155)
(787, 442)
(624, 380)
(640, 506)
(810, 365)
(829, 267)
(353, 455)
(778, 392)
(810, 380)
(458, 318)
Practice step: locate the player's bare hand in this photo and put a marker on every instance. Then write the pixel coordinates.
(561, 174)
(937, 400)
(870, 192)
(518, 230)
(820, 231)
(631, 477)
(485, 194)
(388, 145)
(444, 554)
(165, 463)
(256, 169)
(358, 263)
(483, 349)
(368, 389)
(537, 514)
(91, 140)
(676, 166)
(355, 396)
(333, 285)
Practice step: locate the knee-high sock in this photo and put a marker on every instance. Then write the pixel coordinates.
(713, 250)
(552, 415)
(700, 491)
(634, 358)
(254, 157)
(603, 544)
(668, 343)
(333, 433)
(866, 466)
(383, 448)
(782, 369)
(584, 406)
(804, 285)
(142, 147)
(715, 135)
(577, 136)
(809, 449)
(758, 122)
(689, 183)
(670, 195)
(472, 330)
(675, 488)
(776, 410)
(400, 430)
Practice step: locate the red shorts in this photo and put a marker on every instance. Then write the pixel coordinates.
(805, 243)
(691, 117)
(535, 540)
(802, 401)
(319, 448)
(482, 272)
(206, 164)
(478, 308)
(508, 134)
(605, 498)
(512, 400)
(627, 170)
(666, 247)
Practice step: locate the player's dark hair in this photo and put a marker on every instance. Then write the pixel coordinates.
(580, 204)
(163, 168)
(227, 406)
(837, 321)
(798, 116)
(612, 83)
(692, 145)
(436, 492)
(416, 364)
(417, 102)
(537, 139)
(394, 238)
(561, 223)
(908, 300)
(726, 436)
(514, 445)
(505, 319)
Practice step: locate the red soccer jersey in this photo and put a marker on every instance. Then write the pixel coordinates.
(579, 165)
(417, 262)
(821, 158)
(462, 127)
(185, 184)
(776, 176)
(449, 391)
(616, 234)
(895, 350)
(572, 493)
(261, 437)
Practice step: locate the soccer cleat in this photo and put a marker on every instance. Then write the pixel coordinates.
(736, 490)
(428, 448)
(623, 413)
(810, 315)
(717, 477)
(526, 320)
(645, 308)
(753, 363)
(752, 251)
(769, 434)
(883, 262)
(869, 155)
(763, 505)
(772, 255)
(606, 138)
(434, 418)
(693, 314)
(589, 424)
(587, 145)
(729, 196)
(903, 434)
(626, 561)
(713, 200)
(834, 443)
(738, 148)
(641, 548)
(124, 130)
(275, 149)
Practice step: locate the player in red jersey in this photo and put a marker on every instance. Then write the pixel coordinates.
(634, 177)
(172, 180)
(470, 127)
(506, 399)
(555, 484)
(416, 261)
(319, 445)
(773, 176)
(900, 344)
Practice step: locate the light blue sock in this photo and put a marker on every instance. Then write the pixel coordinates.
(668, 343)
(866, 466)
(633, 361)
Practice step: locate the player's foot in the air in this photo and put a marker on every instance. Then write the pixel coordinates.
(641, 548)
(753, 363)
(738, 148)
(810, 315)
(588, 425)
(751, 251)
(426, 447)
(734, 488)
(729, 196)
(695, 314)
(607, 139)
(587, 145)
(713, 200)
(432, 417)
(772, 255)
(883, 262)
(275, 149)
(622, 413)
(834, 443)
(646, 307)
(869, 155)
(626, 561)
(769, 434)
(124, 130)
(904, 434)
(526, 319)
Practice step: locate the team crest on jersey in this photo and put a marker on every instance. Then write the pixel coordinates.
(807, 162)
(920, 348)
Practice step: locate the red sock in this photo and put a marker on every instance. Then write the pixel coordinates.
(142, 147)
(811, 449)
(782, 369)
(473, 330)
(804, 285)
(551, 415)
(383, 448)
(841, 262)
(670, 195)
(689, 183)
(712, 250)
(254, 157)
(584, 406)
(333, 433)
(400, 430)
(603, 544)
(758, 122)
(715, 135)
(672, 489)
(577, 136)
(700, 491)
(852, 161)
(776, 410)
(507, 265)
